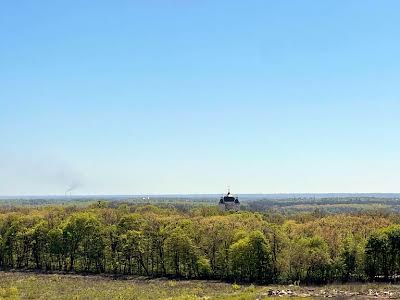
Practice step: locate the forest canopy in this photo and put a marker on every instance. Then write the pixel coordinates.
(203, 242)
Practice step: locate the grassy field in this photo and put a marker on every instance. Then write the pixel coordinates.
(44, 286)
(15, 285)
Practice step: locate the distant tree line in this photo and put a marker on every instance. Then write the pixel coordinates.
(150, 241)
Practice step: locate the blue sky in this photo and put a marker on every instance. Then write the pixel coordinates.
(138, 97)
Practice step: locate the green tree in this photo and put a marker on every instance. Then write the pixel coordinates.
(251, 258)
(376, 255)
(183, 255)
(83, 239)
(310, 260)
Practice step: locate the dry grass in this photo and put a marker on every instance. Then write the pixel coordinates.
(17, 285)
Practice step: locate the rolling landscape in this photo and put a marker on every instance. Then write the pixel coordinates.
(199, 149)
(189, 247)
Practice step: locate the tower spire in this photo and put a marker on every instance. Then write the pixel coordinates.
(229, 202)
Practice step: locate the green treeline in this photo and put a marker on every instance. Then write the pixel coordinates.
(151, 241)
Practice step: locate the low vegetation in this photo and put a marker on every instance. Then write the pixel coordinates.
(27, 285)
(55, 286)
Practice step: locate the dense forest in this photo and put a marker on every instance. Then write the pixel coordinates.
(203, 242)
(284, 203)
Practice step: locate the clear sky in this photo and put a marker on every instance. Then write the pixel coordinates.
(137, 97)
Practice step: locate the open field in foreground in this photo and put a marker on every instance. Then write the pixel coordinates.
(45, 286)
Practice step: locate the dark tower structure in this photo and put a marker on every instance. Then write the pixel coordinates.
(229, 202)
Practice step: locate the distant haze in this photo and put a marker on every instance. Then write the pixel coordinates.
(243, 197)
